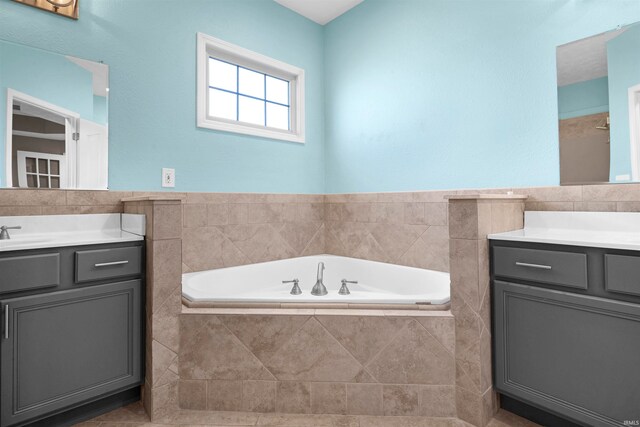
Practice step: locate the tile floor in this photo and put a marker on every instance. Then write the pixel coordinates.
(134, 416)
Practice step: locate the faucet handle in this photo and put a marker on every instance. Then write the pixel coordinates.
(296, 289)
(4, 234)
(344, 290)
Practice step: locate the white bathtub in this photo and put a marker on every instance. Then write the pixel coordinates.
(378, 283)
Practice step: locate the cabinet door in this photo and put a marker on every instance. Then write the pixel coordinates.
(64, 348)
(576, 356)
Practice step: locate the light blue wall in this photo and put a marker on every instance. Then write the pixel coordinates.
(432, 94)
(46, 76)
(150, 47)
(623, 60)
(583, 98)
(420, 94)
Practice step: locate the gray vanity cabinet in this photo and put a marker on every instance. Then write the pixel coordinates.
(571, 351)
(74, 344)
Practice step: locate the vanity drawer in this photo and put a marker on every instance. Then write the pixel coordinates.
(108, 263)
(622, 274)
(552, 267)
(20, 273)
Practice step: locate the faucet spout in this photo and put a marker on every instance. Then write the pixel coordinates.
(319, 289)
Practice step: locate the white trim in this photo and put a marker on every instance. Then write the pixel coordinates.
(634, 130)
(247, 58)
(70, 117)
(52, 136)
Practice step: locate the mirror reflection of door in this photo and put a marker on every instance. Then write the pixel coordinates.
(38, 146)
(50, 147)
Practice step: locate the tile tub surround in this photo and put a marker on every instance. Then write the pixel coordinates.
(134, 416)
(471, 219)
(163, 301)
(366, 362)
(400, 228)
(226, 230)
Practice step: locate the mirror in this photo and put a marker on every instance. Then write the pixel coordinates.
(599, 108)
(54, 114)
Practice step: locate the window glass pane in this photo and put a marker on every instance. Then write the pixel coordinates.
(32, 181)
(222, 75)
(44, 181)
(222, 104)
(251, 111)
(43, 166)
(55, 182)
(31, 164)
(277, 116)
(277, 90)
(251, 83)
(55, 167)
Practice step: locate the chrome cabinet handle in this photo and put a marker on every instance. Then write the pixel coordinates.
(538, 266)
(108, 264)
(6, 322)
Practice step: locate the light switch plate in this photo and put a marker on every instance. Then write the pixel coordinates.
(168, 177)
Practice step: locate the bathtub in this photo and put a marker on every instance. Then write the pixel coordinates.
(261, 284)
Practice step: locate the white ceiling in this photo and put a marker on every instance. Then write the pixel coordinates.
(320, 11)
(584, 59)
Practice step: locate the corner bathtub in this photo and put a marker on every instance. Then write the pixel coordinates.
(260, 285)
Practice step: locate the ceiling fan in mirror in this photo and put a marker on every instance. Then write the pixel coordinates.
(68, 8)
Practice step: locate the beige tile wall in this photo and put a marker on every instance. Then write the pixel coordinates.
(401, 228)
(163, 303)
(470, 222)
(321, 364)
(223, 230)
(60, 202)
(227, 229)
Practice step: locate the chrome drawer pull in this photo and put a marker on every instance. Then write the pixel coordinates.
(539, 266)
(6, 322)
(108, 264)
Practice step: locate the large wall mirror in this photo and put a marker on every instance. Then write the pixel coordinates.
(599, 108)
(54, 118)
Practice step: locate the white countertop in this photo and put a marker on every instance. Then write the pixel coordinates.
(52, 231)
(614, 230)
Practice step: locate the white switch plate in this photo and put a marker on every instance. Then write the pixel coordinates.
(168, 177)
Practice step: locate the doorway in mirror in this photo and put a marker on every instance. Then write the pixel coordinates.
(51, 147)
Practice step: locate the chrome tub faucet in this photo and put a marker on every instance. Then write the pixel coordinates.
(319, 289)
(4, 234)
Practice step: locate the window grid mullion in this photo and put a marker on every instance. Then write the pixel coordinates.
(263, 99)
(249, 96)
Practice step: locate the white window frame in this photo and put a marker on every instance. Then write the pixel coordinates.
(210, 46)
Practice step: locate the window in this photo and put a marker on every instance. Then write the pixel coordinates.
(245, 92)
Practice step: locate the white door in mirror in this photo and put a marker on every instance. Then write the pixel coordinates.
(168, 177)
